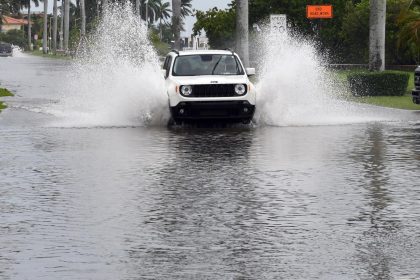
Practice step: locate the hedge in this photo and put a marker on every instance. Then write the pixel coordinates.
(386, 83)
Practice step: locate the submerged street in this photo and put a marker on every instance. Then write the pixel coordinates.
(333, 201)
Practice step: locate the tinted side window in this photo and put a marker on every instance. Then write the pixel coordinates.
(165, 64)
(168, 66)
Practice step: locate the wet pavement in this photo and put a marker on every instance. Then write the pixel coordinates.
(307, 202)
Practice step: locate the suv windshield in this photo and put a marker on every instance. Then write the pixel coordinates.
(207, 64)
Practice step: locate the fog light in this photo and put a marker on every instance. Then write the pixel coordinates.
(246, 110)
(181, 111)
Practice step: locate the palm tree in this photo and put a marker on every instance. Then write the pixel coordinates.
(27, 4)
(83, 19)
(66, 25)
(242, 36)
(408, 36)
(45, 32)
(149, 10)
(186, 8)
(377, 20)
(55, 23)
(176, 22)
(138, 8)
(162, 13)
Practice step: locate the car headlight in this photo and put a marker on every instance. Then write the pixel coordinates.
(186, 90)
(240, 89)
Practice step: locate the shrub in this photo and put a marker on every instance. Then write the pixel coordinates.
(386, 83)
(15, 37)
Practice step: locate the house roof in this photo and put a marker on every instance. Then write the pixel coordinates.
(14, 21)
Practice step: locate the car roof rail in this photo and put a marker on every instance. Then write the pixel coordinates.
(175, 51)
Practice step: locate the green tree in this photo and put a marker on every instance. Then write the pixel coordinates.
(408, 39)
(186, 8)
(355, 34)
(162, 13)
(219, 26)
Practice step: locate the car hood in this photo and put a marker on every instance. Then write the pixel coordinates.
(202, 80)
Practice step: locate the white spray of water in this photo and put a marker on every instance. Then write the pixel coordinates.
(116, 79)
(17, 52)
(295, 88)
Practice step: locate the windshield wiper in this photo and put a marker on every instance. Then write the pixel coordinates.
(215, 66)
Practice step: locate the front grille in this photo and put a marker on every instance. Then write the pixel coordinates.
(417, 80)
(213, 91)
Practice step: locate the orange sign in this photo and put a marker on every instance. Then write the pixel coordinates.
(319, 11)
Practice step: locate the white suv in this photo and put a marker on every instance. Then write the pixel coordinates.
(209, 85)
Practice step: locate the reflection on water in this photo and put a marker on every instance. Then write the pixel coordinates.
(310, 202)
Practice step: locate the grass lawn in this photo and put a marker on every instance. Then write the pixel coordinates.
(50, 55)
(398, 102)
(4, 92)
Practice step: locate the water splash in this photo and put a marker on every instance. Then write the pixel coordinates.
(116, 78)
(297, 89)
(17, 52)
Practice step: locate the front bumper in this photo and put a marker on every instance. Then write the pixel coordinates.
(5, 54)
(213, 110)
(416, 95)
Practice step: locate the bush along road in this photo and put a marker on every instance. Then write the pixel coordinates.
(388, 89)
(4, 92)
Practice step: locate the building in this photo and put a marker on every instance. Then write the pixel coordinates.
(10, 23)
(195, 43)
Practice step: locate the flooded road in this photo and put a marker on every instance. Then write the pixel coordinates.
(134, 202)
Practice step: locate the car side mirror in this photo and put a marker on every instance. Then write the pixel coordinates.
(250, 72)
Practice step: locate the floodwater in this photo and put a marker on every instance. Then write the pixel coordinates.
(339, 201)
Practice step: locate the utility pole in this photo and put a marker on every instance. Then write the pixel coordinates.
(242, 33)
(377, 23)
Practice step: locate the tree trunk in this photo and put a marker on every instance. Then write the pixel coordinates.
(83, 19)
(61, 25)
(147, 13)
(242, 33)
(55, 23)
(104, 5)
(45, 33)
(160, 29)
(29, 27)
(66, 25)
(176, 23)
(377, 22)
(138, 8)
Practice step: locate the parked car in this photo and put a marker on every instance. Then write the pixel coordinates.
(209, 85)
(416, 91)
(5, 49)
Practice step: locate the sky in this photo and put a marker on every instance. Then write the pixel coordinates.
(202, 5)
